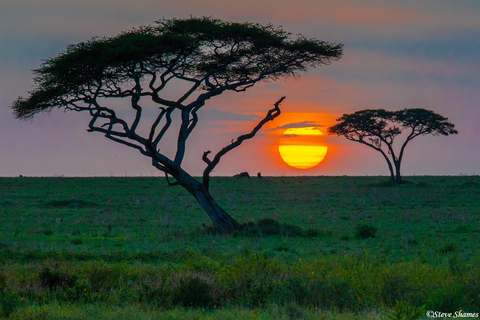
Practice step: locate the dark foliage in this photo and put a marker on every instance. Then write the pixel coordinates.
(364, 231)
(264, 227)
(193, 292)
(70, 204)
(51, 276)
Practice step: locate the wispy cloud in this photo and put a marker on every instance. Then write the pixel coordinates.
(373, 15)
(220, 115)
(302, 124)
(273, 86)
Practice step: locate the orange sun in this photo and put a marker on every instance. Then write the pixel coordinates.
(302, 148)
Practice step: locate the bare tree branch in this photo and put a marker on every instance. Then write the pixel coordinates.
(127, 143)
(134, 101)
(167, 124)
(211, 164)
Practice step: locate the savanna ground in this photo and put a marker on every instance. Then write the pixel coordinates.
(132, 248)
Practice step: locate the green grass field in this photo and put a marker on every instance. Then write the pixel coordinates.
(133, 248)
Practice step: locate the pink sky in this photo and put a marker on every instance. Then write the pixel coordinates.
(397, 55)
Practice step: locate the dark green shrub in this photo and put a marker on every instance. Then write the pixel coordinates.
(103, 276)
(76, 241)
(255, 291)
(193, 292)
(269, 226)
(336, 294)
(396, 285)
(69, 204)
(52, 276)
(449, 247)
(3, 281)
(298, 290)
(365, 231)
(448, 298)
(289, 230)
(264, 227)
(80, 291)
(9, 302)
(310, 233)
(156, 292)
(282, 247)
(295, 312)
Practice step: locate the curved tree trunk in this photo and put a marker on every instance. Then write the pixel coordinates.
(219, 216)
(389, 163)
(392, 175)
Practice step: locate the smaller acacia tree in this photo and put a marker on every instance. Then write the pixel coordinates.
(379, 128)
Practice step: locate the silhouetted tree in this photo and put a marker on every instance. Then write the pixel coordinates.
(205, 56)
(379, 128)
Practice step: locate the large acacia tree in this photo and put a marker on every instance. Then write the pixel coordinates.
(379, 128)
(205, 56)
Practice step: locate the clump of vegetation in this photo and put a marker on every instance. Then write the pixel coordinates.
(70, 204)
(283, 247)
(449, 247)
(365, 231)
(9, 302)
(76, 241)
(193, 292)
(403, 311)
(264, 227)
(270, 227)
(52, 276)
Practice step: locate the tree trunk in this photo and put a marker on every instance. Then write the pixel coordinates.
(389, 163)
(392, 173)
(392, 176)
(398, 176)
(219, 216)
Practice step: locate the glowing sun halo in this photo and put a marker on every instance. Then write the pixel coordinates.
(302, 148)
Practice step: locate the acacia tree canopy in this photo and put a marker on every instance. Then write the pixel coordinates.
(378, 129)
(209, 56)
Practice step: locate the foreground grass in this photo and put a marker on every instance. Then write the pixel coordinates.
(100, 311)
(113, 247)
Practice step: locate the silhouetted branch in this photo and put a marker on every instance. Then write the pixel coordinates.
(127, 143)
(211, 164)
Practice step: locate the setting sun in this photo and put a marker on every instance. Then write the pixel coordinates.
(302, 148)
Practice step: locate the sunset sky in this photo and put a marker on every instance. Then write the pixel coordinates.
(397, 54)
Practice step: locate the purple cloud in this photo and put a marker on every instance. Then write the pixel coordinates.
(302, 124)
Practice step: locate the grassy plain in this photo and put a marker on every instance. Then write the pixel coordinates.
(132, 248)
